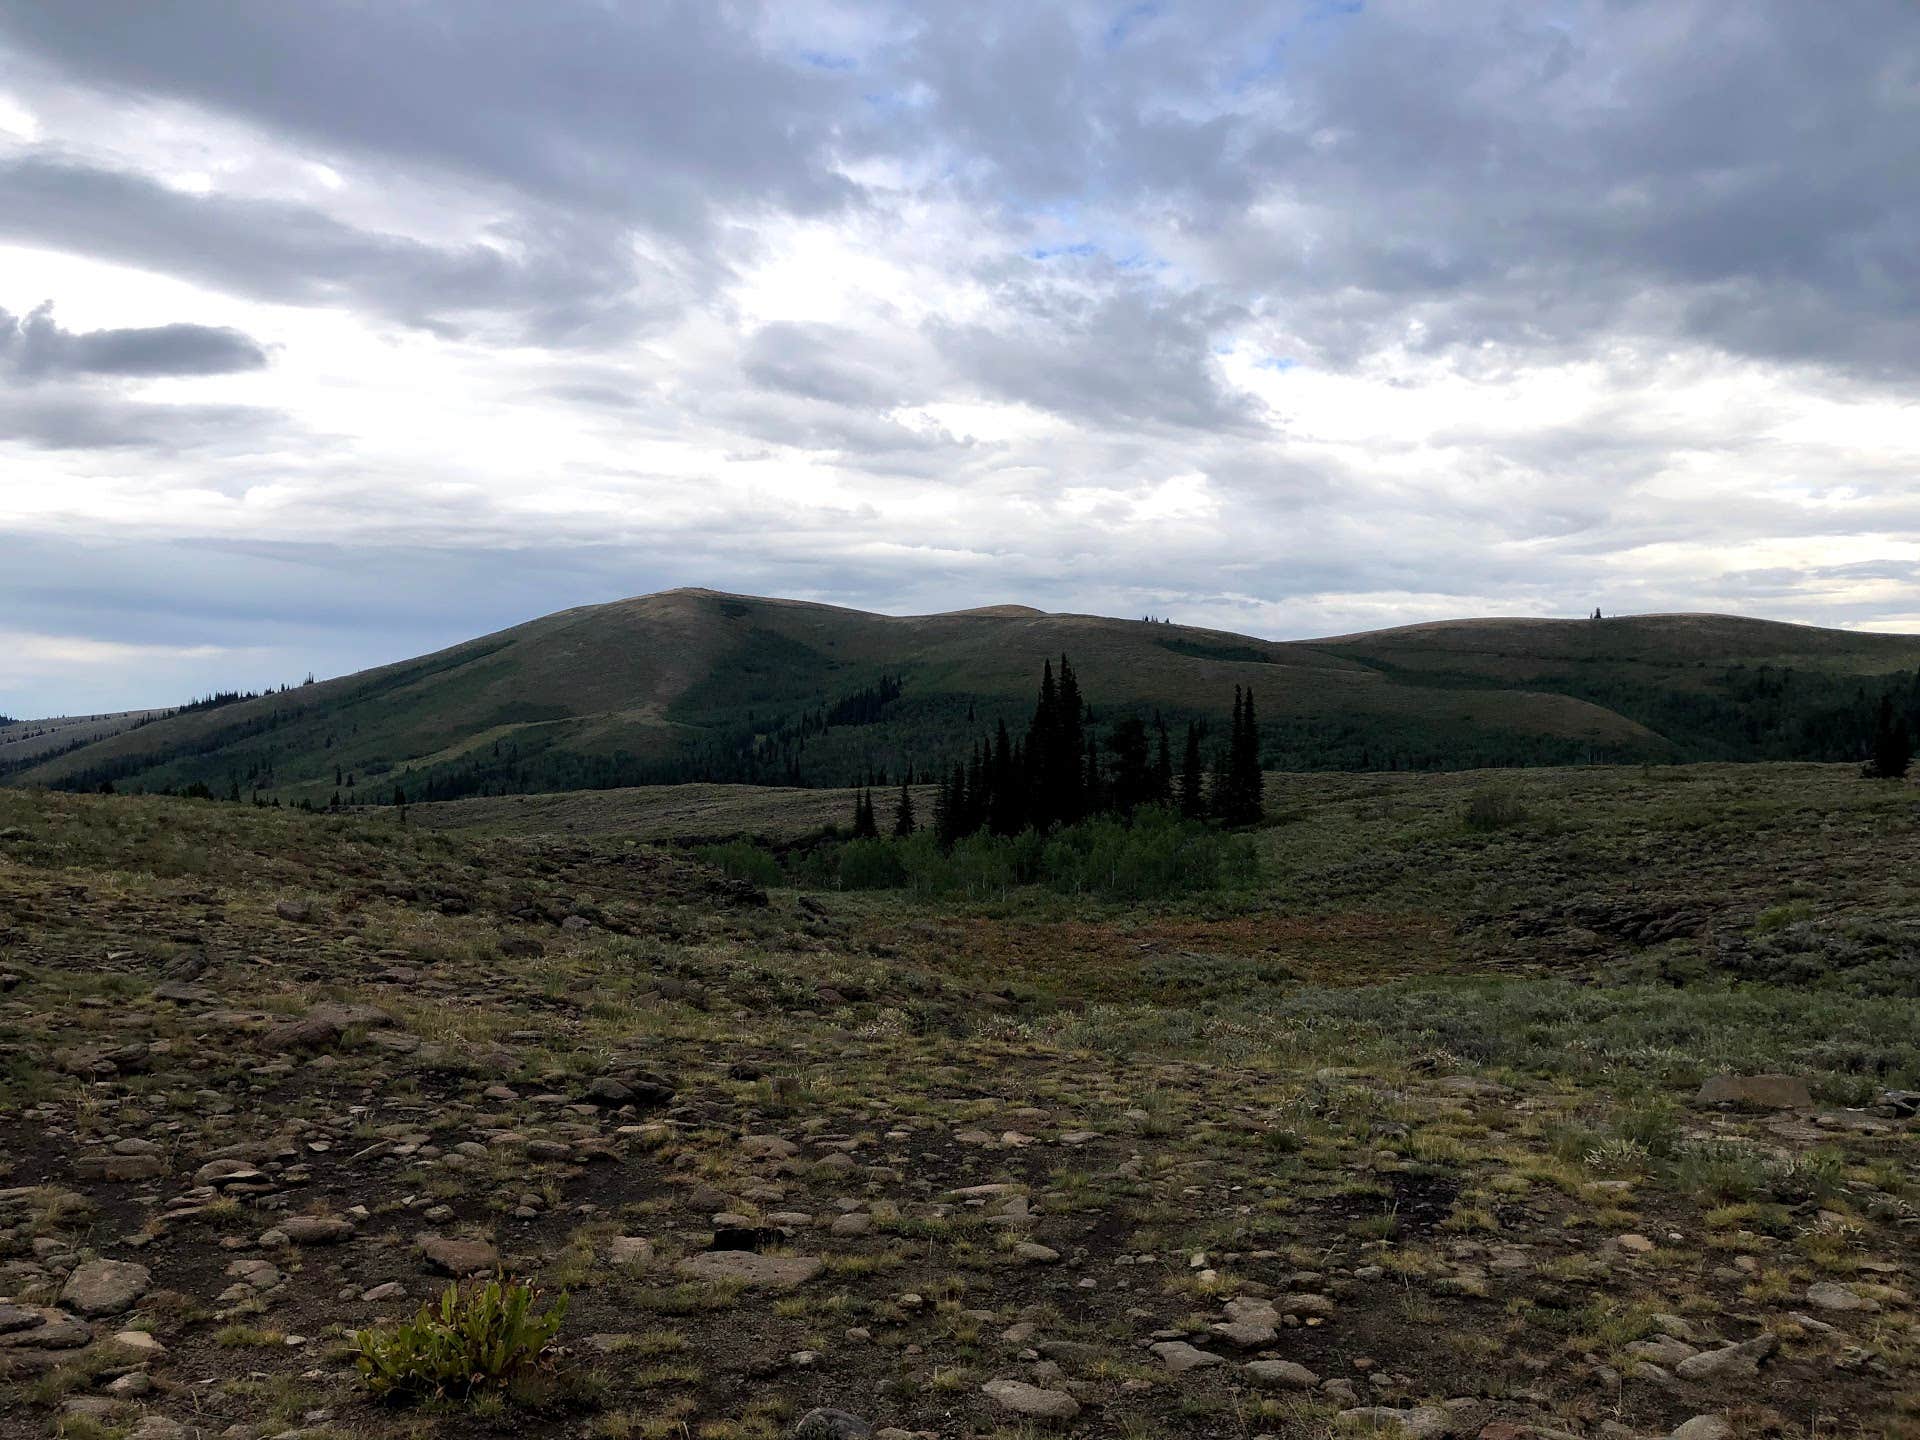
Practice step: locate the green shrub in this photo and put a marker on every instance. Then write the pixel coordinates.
(1494, 810)
(488, 1337)
(742, 860)
(871, 865)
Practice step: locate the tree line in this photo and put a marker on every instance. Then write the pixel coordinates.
(1062, 771)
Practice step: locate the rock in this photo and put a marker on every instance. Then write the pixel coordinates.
(828, 1424)
(1035, 1254)
(317, 1229)
(1281, 1375)
(1731, 1362)
(391, 1290)
(454, 1257)
(105, 1287)
(18, 1317)
(629, 1250)
(297, 912)
(1665, 1352)
(222, 1173)
(755, 1271)
(1831, 1295)
(1179, 1357)
(138, 1342)
(159, 1427)
(1421, 1422)
(45, 1329)
(1024, 1399)
(857, 1223)
(119, 1168)
(1703, 1427)
(1760, 1092)
(312, 1033)
(768, 1147)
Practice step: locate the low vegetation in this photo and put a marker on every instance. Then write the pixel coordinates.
(1403, 1117)
(488, 1336)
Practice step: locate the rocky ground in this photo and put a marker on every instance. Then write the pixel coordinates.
(266, 1078)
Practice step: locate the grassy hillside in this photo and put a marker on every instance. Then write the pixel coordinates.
(695, 685)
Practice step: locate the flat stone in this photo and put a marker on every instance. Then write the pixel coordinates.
(1179, 1357)
(629, 1250)
(1420, 1422)
(1831, 1295)
(768, 1147)
(105, 1287)
(1033, 1253)
(1024, 1399)
(755, 1271)
(317, 1229)
(1730, 1363)
(1281, 1375)
(1703, 1427)
(1760, 1092)
(119, 1169)
(48, 1329)
(826, 1423)
(457, 1257)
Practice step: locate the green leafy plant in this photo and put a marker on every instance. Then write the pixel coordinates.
(485, 1338)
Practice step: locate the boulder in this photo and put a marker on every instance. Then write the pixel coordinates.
(829, 1424)
(317, 1229)
(1758, 1092)
(119, 1169)
(1178, 1356)
(105, 1287)
(1281, 1375)
(448, 1256)
(1030, 1400)
(1733, 1362)
(1420, 1422)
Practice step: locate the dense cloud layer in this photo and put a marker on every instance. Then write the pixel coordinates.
(1296, 317)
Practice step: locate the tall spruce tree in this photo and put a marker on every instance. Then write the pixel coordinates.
(1892, 744)
(864, 827)
(1249, 782)
(1193, 798)
(903, 813)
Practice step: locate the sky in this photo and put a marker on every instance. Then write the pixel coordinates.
(332, 333)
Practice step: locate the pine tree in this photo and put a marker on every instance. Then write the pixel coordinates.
(1250, 787)
(1072, 801)
(903, 814)
(1892, 744)
(1193, 799)
(864, 827)
(1162, 765)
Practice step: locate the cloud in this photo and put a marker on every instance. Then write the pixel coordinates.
(34, 347)
(1295, 316)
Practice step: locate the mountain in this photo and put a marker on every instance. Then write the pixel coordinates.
(694, 684)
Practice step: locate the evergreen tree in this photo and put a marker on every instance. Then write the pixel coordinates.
(1892, 744)
(1248, 782)
(864, 827)
(1193, 799)
(1162, 765)
(1004, 811)
(903, 815)
(1072, 801)
(1130, 778)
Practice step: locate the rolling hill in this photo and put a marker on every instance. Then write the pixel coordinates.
(698, 685)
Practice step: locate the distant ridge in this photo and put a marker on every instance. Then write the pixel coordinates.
(702, 684)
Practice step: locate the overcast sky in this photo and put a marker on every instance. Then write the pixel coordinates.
(335, 332)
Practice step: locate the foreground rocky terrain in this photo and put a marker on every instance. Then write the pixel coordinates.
(1473, 1149)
